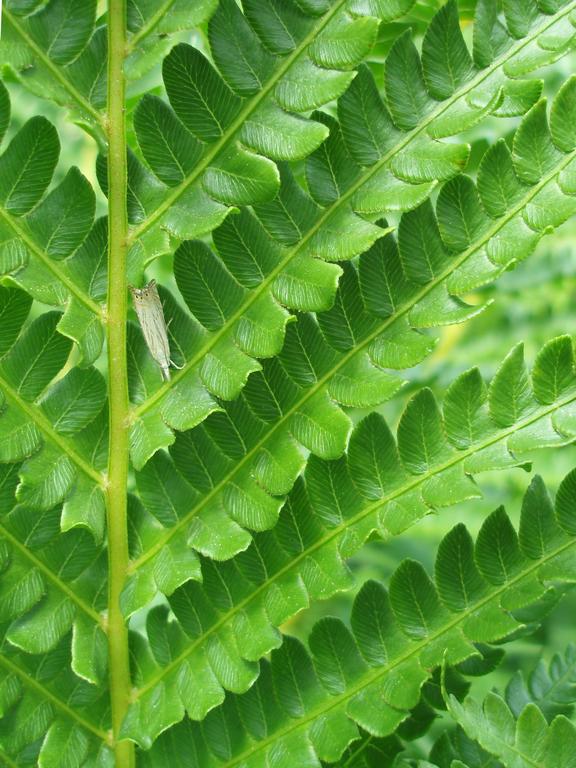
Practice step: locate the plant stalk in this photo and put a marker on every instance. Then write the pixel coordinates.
(118, 655)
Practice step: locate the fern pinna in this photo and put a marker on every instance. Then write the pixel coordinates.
(371, 675)
(308, 218)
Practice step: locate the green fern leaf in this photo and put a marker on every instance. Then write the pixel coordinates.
(550, 687)
(61, 419)
(46, 591)
(50, 716)
(375, 170)
(281, 318)
(523, 739)
(378, 486)
(456, 749)
(370, 752)
(371, 675)
(346, 356)
(44, 237)
(59, 41)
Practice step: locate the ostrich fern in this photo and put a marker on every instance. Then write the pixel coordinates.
(320, 223)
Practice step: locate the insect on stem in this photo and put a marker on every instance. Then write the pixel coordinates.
(151, 318)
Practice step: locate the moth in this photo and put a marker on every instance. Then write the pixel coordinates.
(151, 317)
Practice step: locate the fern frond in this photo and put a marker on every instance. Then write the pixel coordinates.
(249, 455)
(215, 146)
(48, 715)
(552, 687)
(152, 26)
(275, 59)
(280, 258)
(59, 430)
(373, 752)
(524, 739)
(310, 706)
(229, 621)
(266, 23)
(266, 489)
(52, 582)
(549, 687)
(51, 249)
(457, 746)
(45, 239)
(253, 319)
(58, 51)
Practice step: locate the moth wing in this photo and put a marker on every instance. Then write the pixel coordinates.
(151, 317)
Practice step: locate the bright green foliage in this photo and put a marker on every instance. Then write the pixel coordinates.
(58, 50)
(373, 163)
(58, 429)
(51, 583)
(552, 688)
(44, 243)
(307, 705)
(292, 172)
(57, 53)
(370, 751)
(41, 726)
(230, 620)
(525, 739)
(455, 748)
(347, 357)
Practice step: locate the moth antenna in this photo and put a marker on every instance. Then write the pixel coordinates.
(178, 367)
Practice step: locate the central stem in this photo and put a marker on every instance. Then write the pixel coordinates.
(118, 380)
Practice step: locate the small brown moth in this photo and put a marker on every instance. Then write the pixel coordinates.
(151, 317)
